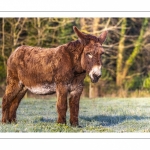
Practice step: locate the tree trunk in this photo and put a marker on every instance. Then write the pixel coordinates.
(3, 43)
(39, 31)
(136, 49)
(120, 54)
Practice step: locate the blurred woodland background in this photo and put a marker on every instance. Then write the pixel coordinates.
(126, 64)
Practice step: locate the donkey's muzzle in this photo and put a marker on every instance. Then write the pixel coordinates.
(95, 78)
(95, 73)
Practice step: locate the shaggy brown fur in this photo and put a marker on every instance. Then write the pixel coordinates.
(49, 70)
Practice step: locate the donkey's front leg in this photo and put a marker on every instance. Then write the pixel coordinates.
(74, 105)
(61, 103)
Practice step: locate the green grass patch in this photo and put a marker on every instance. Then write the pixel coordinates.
(96, 115)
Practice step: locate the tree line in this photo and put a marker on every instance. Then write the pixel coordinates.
(126, 61)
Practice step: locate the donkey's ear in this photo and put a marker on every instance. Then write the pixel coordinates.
(78, 33)
(103, 36)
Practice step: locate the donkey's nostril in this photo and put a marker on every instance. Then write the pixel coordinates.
(96, 76)
(99, 76)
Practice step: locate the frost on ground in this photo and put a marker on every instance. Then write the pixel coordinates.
(96, 115)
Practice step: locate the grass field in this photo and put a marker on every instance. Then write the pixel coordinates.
(96, 115)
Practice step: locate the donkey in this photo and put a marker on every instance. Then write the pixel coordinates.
(59, 70)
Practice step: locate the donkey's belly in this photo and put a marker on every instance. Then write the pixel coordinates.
(43, 89)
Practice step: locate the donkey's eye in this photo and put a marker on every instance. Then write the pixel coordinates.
(90, 55)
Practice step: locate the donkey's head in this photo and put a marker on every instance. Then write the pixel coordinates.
(91, 55)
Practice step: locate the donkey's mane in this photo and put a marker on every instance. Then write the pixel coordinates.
(74, 45)
(77, 45)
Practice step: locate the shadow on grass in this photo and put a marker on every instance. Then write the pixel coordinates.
(45, 120)
(111, 120)
(97, 119)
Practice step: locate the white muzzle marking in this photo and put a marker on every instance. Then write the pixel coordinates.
(95, 70)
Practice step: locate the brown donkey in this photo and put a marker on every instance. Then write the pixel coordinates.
(49, 70)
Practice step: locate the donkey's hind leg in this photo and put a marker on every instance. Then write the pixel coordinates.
(14, 105)
(12, 90)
